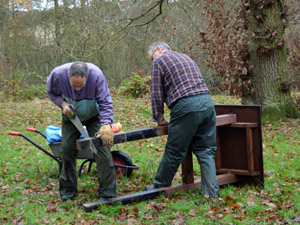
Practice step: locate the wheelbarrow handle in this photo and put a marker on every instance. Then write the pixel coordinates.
(36, 131)
(13, 133)
(31, 129)
(36, 145)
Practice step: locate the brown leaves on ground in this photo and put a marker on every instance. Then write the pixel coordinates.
(270, 205)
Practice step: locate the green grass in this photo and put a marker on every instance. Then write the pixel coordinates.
(29, 178)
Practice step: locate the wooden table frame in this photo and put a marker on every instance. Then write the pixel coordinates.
(239, 158)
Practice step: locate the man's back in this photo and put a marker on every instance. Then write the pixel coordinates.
(179, 75)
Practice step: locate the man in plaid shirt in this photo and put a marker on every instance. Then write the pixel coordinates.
(177, 81)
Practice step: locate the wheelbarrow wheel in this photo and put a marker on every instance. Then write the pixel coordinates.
(120, 158)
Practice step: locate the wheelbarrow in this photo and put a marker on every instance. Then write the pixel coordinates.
(122, 162)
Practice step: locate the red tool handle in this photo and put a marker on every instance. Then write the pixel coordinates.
(31, 129)
(13, 133)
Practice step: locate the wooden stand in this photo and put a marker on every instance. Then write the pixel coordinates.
(239, 156)
(240, 145)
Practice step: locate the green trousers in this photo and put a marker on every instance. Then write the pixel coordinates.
(105, 166)
(192, 123)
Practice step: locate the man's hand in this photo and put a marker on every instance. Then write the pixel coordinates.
(162, 123)
(106, 135)
(66, 108)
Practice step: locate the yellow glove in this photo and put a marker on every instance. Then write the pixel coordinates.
(106, 135)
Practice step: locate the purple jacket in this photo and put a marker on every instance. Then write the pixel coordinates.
(58, 85)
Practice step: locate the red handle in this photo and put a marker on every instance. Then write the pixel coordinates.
(31, 129)
(13, 133)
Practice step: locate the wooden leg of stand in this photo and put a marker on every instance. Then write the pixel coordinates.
(249, 141)
(218, 153)
(187, 168)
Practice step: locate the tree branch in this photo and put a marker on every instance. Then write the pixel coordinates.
(189, 16)
(130, 24)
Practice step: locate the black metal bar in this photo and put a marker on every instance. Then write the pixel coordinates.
(151, 194)
(133, 166)
(126, 199)
(82, 164)
(41, 148)
(41, 133)
(125, 136)
(145, 133)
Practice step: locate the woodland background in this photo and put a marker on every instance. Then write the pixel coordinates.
(38, 35)
(248, 52)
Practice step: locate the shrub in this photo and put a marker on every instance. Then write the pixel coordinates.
(23, 86)
(136, 86)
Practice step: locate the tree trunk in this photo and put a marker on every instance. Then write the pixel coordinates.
(4, 37)
(82, 4)
(57, 22)
(269, 82)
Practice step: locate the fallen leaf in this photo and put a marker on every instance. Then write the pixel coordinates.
(297, 219)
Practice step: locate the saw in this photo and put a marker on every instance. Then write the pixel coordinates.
(77, 123)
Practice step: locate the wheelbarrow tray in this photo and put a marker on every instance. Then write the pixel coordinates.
(82, 154)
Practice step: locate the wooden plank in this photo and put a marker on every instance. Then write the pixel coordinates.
(226, 119)
(151, 194)
(243, 125)
(187, 168)
(224, 179)
(238, 172)
(249, 142)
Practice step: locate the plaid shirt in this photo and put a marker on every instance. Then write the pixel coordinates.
(174, 75)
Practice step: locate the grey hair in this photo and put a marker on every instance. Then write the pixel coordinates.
(162, 45)
(78, 68)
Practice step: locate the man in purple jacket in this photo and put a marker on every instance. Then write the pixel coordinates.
(83, 86)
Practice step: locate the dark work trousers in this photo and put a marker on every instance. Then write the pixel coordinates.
(105, 166)
(192, 123)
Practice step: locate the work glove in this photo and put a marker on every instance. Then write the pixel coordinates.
(107, 137)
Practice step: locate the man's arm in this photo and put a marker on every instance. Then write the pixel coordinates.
(157, 98)
(104, 100)
(53, 90)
